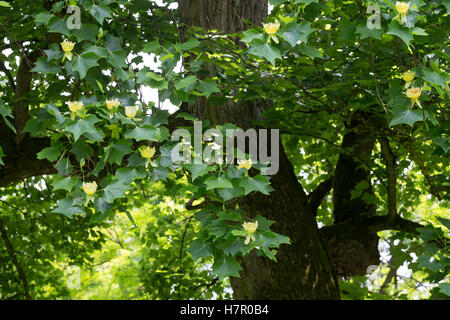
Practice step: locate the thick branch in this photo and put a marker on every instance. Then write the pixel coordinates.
(23, 87)
(381, 223)
(13, 256)
(359, 142)
(21, 161)
(316, 196)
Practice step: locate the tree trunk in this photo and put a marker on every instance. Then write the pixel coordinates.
(303, 270)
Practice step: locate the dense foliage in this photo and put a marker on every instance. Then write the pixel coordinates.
(107, 196)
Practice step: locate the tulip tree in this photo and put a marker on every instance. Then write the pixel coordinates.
(360, 97)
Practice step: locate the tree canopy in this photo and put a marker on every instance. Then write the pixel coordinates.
(358, 207)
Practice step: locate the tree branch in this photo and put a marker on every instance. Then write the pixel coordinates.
(13, 256)
(21, 105)
(381, 223)
(392, 177)
(8, 74)
(315, 197)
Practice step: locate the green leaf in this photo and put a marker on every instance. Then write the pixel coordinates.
(429, 233)
(263, 223)
(445, 287)
(233, 246)
(218, 183)
(6, 112)
(100, 12)
(151, 47)
(154, 76)
(252, 34)
(439, 79)
(405, 34)
(226, 266)
(238, 233)
(67, 208)
(402, 115)
(265, 50)
(50, 153)
(369, 33)
(297, 32)
(44, 67)
(65, 183)
(118, 150)
(81, 150)
(188, 45)
(277, 2)
(446, 3)
(274, 240)
(185, 82)
(425, 262)
(87, 32)
(53, 53)
(199, 249)
(54, 111)
(310, 51)
(186, 116)
(230, 215)
(443, 143)
(64, 167)
(258, 183)
(117, 59)
(42, 17)
(100, 52)
(419, 31)
(147, 132)
(101, 207)
(82, 126)
(127, 175)
(445, 222)
(130, 217)
(207, 86)
(230, 193)
(83, 63)
(115, 190)
(197, 170)
(58, 26)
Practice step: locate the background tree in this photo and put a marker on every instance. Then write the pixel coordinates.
(354, 122)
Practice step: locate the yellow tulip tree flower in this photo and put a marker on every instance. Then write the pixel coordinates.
(414, 94)
(271, 29)
(408, 77)
(131, 112)
(250, 227)
(147, 152)
(67, 47)
(89, 188)
(247, 164)
(402, 8)
(75, 106)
